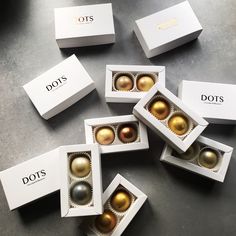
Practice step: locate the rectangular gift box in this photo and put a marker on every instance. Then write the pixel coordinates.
(178, 143)
(169, 156)
(31, 179)
(123, 219)
(84, 25)
(167, 29)
(117, 146)
(94, 178)
(133, 96)
(59, 87)
(213, 101)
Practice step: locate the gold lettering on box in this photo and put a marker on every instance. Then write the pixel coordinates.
(167, 24)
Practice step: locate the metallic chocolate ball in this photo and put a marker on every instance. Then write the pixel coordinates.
(208, 158)
(160, 109)
(190, 153)
(106, 222)
(124, 83)
(145, 82)
(80, 166)
(105, 135)
(121, 200)
(127, 133)
(178, 124)
(81, 193)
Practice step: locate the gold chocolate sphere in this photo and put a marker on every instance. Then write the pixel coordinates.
(190, 153)
(124, 83)
(144, 83)
(106, 222)
(178, 124)
(80, 166)
(121, 200)
(105, 135)
(160, 109)
(208, 158)
(127, 133)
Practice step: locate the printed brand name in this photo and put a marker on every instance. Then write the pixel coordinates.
(35, 177)
(56, 83)
(167, 24)
(212, 99)
(84, 19)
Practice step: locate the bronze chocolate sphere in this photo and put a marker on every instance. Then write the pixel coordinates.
(127, 133)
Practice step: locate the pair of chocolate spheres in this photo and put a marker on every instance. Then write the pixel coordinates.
(125, 82)
(160, 108)
(120, 201)
(127, 133)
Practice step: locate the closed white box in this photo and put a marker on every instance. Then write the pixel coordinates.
(95, 207)
(117, 146)
(213, 101)
(59, 87)
(226, 152)
(94, 178)
(112, 95)
(31, 179)
(167, 29)
(84, 25)
(178, 143)
(126, 217)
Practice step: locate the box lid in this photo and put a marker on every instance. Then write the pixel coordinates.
(168, 25)
(59, 87)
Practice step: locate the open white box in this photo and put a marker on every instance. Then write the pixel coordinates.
(179, 144)
(167, 29)
(113, 95)
(116, 146)
(95, 179)
(84, 25)
(140, 198)
(168, 157)
(59, 87)
(31, 180)
(213, 101)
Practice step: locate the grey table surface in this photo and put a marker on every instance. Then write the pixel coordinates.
(179, 203)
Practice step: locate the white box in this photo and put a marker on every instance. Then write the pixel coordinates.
(31, 179)
(94, 178)
(133, 96)
(126, 217)
(59, 87)
(167, 29)
(117, 146)
(84, 25)
(169, 157)
(213, 101)
(179, 143)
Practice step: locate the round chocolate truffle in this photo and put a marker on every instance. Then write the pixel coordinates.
(106, 222)
(208, 158)
(81, 193)
(121, 200)
(160, 108)
(178, 124)
(124, 83)
(127, 133)
(145, 82)
(80, 166)
(105, 135)
(190, 153)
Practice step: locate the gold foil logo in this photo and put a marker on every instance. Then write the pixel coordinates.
(167, 24)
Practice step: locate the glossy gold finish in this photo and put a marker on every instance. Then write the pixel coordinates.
(80, 166)
(208, 158)
(145, 82)
(106, 222)
(124, 83)
(105, 135)
(127, 133)
(160, 109)
(178, 124)
(121, 200)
